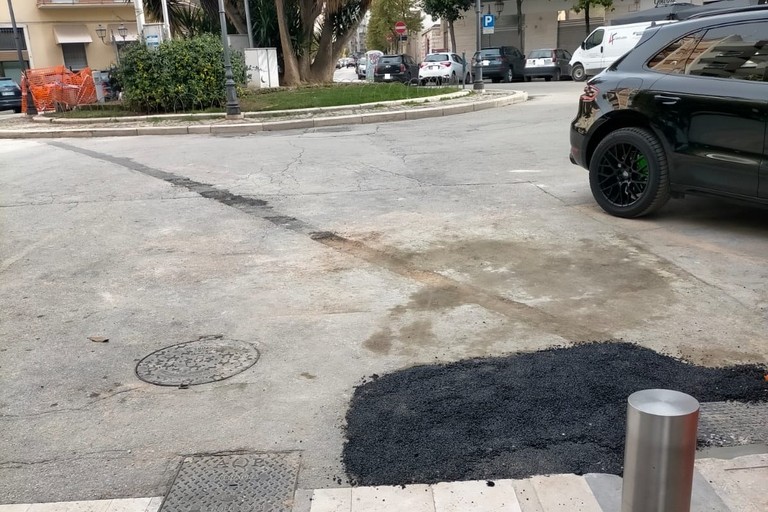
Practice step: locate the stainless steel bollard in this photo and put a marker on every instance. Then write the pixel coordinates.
(659, 452)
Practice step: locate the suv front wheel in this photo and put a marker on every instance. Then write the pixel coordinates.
(628, 173)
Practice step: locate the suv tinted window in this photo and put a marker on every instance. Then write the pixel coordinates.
(390, 59)
(674, 58)
(737, 51)
(490, 52)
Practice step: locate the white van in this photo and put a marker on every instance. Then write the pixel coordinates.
(604, 45)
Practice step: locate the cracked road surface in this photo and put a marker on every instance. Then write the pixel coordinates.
(339, 254)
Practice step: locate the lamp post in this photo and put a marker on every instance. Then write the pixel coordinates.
(478, 84)
(166, 20)
(122, 30)
(233, 105)
(31, 107)
(248, 24)
(498, 6)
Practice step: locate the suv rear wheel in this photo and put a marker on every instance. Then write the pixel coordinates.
(628, 173)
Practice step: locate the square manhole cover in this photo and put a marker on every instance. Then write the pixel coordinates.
(733, 423)
(253, 482)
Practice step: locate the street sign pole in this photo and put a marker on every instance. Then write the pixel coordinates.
(400, 28)
(31, 107)
(478, 85)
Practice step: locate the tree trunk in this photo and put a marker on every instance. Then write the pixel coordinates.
(235, 10)
(453, 36)
(520, 34)
(320, 67)
(211, 9)
(291, 74)
(586, 17)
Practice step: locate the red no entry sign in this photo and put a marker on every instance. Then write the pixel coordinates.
(400, 27)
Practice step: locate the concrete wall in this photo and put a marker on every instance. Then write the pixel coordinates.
(38, 25)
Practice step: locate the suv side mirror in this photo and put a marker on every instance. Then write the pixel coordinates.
(583, 45)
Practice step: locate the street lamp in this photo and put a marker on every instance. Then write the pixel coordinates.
(102, 33)
(478, 84)
(233, 105)
(499, 6)
(31, 107)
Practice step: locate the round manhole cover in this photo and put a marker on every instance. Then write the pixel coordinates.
(207, 359)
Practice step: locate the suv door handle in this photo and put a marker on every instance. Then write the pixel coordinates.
(665, 99)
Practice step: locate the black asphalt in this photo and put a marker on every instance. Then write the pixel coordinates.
(555, 411)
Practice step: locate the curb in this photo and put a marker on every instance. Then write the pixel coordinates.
(271, 113)
(294, 124)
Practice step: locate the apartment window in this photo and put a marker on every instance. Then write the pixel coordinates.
(74, 56)
(8, 41)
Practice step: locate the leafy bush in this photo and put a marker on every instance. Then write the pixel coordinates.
(179, 75)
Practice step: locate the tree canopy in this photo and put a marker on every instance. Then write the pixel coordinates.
(381, 27)
(309, 34)
(449, 11)
(584, 5)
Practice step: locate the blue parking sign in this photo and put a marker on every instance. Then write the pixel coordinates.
(488, 23)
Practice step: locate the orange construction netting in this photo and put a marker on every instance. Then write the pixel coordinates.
(58, 88)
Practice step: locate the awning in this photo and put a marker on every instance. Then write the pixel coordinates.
(66, 34)
(114, 33)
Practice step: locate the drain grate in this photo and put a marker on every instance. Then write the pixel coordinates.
(207, 359)
(733, 423)
(253, 482)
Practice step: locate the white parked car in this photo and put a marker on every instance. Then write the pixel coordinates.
(444, 67)
(362, 62)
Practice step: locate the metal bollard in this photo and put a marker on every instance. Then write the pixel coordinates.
(659, 452)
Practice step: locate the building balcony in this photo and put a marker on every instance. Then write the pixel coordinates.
(53, 4)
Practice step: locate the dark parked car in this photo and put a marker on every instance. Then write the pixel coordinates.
(684, 112)
(396, 68)
(505, 63)
(10, 95)
(548, 63)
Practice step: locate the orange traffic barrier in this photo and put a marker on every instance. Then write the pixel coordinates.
(58, 88)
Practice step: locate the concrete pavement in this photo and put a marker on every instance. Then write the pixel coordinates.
(96, 244)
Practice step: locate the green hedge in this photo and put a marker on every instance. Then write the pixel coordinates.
(179, 75)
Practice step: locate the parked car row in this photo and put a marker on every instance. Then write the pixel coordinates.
(503, 63)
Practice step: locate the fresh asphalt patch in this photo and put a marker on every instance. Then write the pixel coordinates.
(559, 410)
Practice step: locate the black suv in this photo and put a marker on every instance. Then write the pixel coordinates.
(396, 68)
(684, 112)
(505, 63)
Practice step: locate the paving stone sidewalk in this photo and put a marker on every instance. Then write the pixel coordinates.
(720, 485)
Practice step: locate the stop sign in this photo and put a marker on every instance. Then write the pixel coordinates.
(400, 27)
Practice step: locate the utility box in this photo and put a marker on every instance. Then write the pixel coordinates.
(238, 41)
(153, 34)
(101, 81)
(261, 68)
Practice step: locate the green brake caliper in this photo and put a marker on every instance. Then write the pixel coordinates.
(641, 165)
